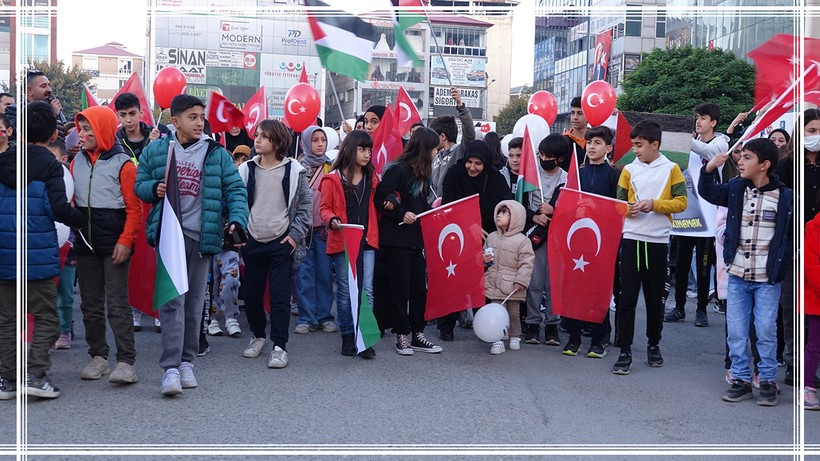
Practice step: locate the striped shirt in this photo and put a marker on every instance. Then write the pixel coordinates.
(757, 225)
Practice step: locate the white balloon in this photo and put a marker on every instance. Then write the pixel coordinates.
(332, 137)
(505, 144)
(62, 229)
(491, 322)
(332, 154)
(62, 233)
(537, 126)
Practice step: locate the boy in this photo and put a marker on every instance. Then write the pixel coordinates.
(510, 172)
(551, 151)
(207, 176)
(46, 201)
(450, 151)
(576, 133)
(68, 273)
(655, 188)
(113, 214)
(281, 214)
(756, 242)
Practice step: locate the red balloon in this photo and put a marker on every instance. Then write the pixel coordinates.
(543, 104)
(598, 102)
(302, 106)
(168, 83)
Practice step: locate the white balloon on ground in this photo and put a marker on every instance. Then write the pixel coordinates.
(491, 322)
(332, 137)
(537, 126)
(332, 154)
(505, 144)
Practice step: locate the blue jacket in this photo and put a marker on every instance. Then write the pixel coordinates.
(730, 195)
(220, 181)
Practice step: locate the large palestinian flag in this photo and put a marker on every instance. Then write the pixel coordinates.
(343, 41)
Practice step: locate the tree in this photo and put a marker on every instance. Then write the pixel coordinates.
(67, 84)
(515, 109)
(675, 80)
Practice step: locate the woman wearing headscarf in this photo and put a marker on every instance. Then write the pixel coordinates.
(237, 136)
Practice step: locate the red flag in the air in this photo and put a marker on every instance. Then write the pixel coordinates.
(303, 76)
(778, 63)
(405, 112)
(455, 264)
(387, 144)
(622, 140)
(573, 178)
(255, 110)
(222, 114)
(583, 241)
(134, 85)
(143, 272)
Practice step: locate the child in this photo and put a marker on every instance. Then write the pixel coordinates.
(207, 177)
(511, 266)
(510, 171)
(576, 134)
(313, 278)
(280, 203)
(68, 273)
(655, 188)
(755, 243)
(114, 214)
(347, 198)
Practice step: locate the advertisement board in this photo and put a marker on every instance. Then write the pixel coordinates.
(279, 72)
(245, 34)
(470, 97)
(464, 71)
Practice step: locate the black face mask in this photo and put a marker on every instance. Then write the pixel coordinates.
(548, 165)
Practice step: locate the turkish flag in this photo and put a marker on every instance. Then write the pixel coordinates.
(303, 76)
(455, 263)
(255, 110)
(622, 140)
(405, 112)
(573, 176)
(778, 62)
(583, 241)
(222, 114)
(134, 85)
(387, 144)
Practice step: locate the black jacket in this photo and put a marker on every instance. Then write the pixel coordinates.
(396, 186)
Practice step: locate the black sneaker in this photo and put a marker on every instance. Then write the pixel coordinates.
(572, 347)
(623, 364)
(8, 389)
(421, 344)
(653, 356)
(204, 347)
(596, 351)
(348, 345)
(789, 375)
(41, 387)
(767, 396)
(368, 353)
(740, 390)
(701, 320)
(551, 337)
(447, 335)
(532, 334)
(675, 315)
(719, 307)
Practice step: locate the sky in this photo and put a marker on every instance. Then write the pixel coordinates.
(83, 24)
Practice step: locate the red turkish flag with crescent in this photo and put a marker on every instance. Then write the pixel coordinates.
(455, 261)
(222, 114)
(583, 241)
(405, 112)
(134, 85)
(255, 110)
(387, 144)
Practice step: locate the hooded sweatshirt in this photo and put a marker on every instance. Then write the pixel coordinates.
(135, 148)
(513, 256)
(104, 188)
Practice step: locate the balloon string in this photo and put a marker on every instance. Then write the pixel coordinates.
(508, 296)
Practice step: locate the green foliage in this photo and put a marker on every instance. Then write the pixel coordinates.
(67, 84)
(515, 109)
(675, 80)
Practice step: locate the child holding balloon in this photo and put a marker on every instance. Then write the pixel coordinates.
(510, 266)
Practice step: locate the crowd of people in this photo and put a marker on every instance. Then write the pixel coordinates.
(262, 227)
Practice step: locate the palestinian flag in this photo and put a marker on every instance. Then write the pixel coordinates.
(88, 98)
(364, 322)
(529, 179)
(343, 41)
(407, 14)
(172, 268)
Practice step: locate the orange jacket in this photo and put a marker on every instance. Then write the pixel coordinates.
(335, 206)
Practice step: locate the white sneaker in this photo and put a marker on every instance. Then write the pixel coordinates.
(170, 382)
(213, 328)
(278, 358)
(186, 375)
(232, 325)
(136, 317)
(497, 348)
(515, 344)
(157, 326)
(329, 326)
(254, 348)
(691, 294)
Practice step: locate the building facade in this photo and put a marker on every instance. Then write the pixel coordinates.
(109, 66)
(36, 29)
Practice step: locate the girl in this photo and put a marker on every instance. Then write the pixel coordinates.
(347, 198)
(401, 195)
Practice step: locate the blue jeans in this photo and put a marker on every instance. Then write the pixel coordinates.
(344, 311)
(314, 285)
(65, 297)
(742, 297)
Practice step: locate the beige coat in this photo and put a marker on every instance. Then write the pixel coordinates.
(513, 256)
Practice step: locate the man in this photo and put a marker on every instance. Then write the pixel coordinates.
(38, 88)
(6, 100)
(576, 133)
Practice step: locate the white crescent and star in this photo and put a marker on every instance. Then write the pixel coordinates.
(407, 108)
(290, 107)
(583, 223)
(220, 112)
(254, 114)
(598, 97)
(450, 229)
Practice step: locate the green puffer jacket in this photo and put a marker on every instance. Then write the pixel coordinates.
(220, 180)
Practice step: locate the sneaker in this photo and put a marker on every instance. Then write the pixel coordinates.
(294, 309)
(701, 320)
(278, 358)
(136, 317)
(123, 373)
(254, 347)
(403, 345)
(421, 344)
(571, 348)
(596, 351)
(767, 396)
(789, 378)
(329, 326)
(497, 348)
(171, 384)
(213, 328)
(232, 325)
(204, 347)
(157, 326)
(781, 362)
(41, 387)
(551, 337)
(691, 294)
(465, 320)
(623, 364)
(810, 401)
(653, 356)
(348, 345)
(368, 353)
(304, 328)
(719, 307)
(63, 342)
(515, 344)
(447, 335)
(96, 369)
(740, 390)
(532, 334)
(756, 381)
(674, 315)
(8, 389)
(712, 294)
(186, 375)
(729, 377)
